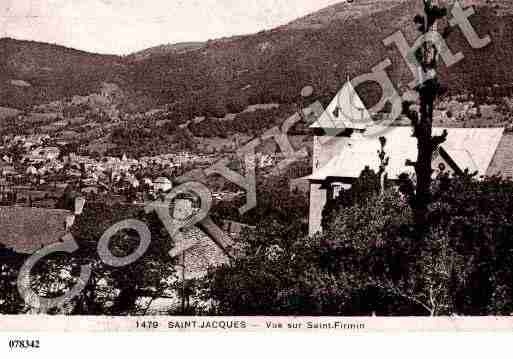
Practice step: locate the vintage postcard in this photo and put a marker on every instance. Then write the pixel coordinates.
(309, 165)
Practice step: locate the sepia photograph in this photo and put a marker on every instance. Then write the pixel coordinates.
(258, 165)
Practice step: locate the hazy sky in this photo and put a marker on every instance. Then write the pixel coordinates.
(124, 26)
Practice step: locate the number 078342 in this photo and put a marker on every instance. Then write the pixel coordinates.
(24, 344)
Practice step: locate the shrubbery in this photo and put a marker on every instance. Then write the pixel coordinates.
(371, 259)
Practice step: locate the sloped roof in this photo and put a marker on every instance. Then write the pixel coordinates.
(196, 250)
(481, 143)
(470, 146)
(199, 253)
(349, 164)
(27, 229)
(462, 159)
(502, 162)
(361, 152)
(346, 110)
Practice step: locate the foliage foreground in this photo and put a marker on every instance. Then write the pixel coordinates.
(369, 260)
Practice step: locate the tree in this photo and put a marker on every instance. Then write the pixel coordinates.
(464, 266)
(150, 276)
(110, 290)
(276, 272)
(367, 186)
(429, 88)
(10, 263)
(367, 261)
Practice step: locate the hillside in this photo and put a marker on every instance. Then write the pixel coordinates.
(179, 48)
(343, 11)
(226, 75)
(273, 66)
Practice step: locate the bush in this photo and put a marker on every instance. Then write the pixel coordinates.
(371, 259)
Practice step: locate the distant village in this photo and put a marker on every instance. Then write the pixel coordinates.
(34, 173)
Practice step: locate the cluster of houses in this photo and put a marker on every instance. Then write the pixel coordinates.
(29, 163)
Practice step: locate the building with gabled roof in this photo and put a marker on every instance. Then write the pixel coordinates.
(344, 145)
(346, 110)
